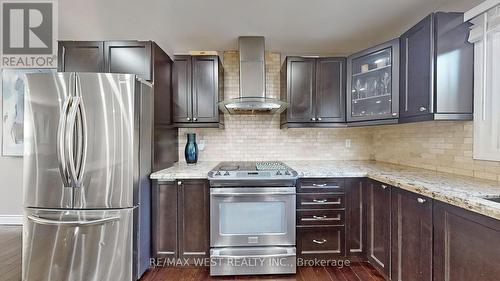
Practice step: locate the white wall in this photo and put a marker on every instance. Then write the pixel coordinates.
(11, 189)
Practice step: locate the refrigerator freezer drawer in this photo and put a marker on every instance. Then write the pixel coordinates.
(87, 245)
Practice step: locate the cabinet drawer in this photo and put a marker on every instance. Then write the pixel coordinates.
(320, 201)
(320, 241)
(321, 185)
(320, 217)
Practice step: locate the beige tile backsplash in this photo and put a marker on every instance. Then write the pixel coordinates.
(441, 146)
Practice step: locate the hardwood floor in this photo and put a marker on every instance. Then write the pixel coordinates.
(10, 253)
(10, 267)
(354, 272)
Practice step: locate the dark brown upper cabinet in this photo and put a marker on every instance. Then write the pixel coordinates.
(379, 227)
(143, 58)
(80, 56)
(128, 57)
(373, 85)
(181, 215)
(466, 245)
(437, 70)
(411, 236)
(315, 91)
(198, 88)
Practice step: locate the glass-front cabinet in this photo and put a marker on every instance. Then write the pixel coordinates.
(373, 84)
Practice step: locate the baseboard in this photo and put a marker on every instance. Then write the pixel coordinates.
(11, 219)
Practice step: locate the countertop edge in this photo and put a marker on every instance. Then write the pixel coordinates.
(475, 205)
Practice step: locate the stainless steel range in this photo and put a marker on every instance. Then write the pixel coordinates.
(252, 218)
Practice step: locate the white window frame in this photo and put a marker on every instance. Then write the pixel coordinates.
(485, 34)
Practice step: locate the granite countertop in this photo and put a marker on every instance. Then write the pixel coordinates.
(181, 170)
(461, 191)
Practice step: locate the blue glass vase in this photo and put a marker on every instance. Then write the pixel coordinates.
(191, 150)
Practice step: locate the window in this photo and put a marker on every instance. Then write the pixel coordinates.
(485, 35)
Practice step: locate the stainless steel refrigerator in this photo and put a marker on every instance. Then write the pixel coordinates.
(87, 160)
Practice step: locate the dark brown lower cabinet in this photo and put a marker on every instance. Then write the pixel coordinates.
(181, 215)
(320, 219)
(379, 227)
(355, 217)
(466, 245)
(164, 204)
(411, 256)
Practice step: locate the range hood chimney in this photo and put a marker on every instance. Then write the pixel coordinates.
(252, 99)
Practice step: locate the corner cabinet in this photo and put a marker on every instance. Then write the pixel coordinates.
(181, 216)
(436, 70)
(315, 91)
(373, 85)
(198, 83)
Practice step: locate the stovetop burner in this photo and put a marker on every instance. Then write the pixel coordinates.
(242, 173)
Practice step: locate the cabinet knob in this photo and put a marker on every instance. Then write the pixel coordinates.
(313, 119)
(422, 108)
(189, 119)
(421, 200)
(394, 114)
(179, 183)
(319, 118)
(384, 186)
(195, 119)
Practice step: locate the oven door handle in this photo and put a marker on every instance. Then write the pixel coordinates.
(251, 193)
(255, 256)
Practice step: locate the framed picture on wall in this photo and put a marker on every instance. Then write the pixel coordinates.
(13, 87)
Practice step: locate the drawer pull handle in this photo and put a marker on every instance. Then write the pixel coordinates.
(421, 200)
(319, 218)
(322, 241)
(322, 201)
(322, 218)
(319, 184)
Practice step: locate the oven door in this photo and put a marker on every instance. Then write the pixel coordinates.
(252, 216)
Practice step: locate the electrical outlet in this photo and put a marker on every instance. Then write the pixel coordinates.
(348, 143)
(202, 144)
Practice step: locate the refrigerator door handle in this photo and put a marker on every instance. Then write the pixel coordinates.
(70, 134)
(76, 223)
(82, 138)
(61, 131)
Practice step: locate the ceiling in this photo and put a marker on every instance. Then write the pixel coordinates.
(306, 27)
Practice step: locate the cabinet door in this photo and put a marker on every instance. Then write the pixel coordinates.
(466, 245)
(81, 56)
(300, 80)
(320, 242)
(373, 83)
(194, 217)
(183, 110)
(128, 57)
(379, 226)
(330, 90)
(411, 237)
(355, 217)
(165, 219)
(205, 89)
(416, 74)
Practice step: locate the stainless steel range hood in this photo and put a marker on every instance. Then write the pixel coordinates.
(252, 99)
